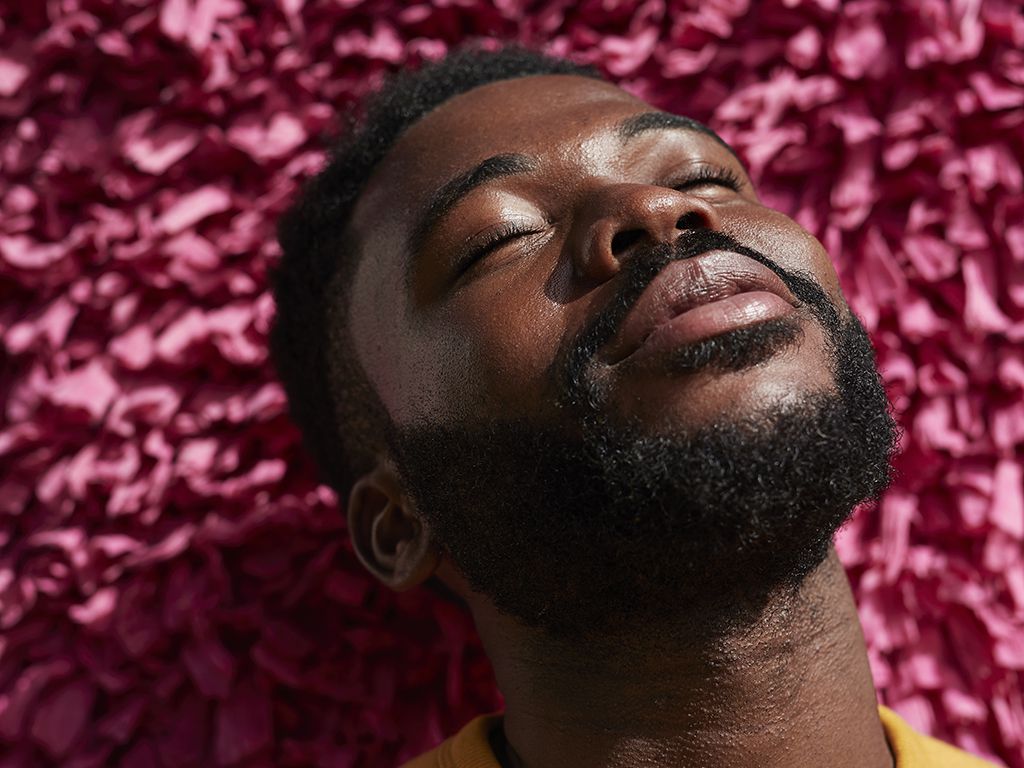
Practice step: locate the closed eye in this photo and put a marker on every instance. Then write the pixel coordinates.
(707, 174)
(491, 241)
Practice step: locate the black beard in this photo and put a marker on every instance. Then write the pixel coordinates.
(594, 528)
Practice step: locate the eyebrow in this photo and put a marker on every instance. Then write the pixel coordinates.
(452, 191)
(661, 121)
(510, 164)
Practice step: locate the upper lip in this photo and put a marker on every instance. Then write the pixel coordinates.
(688, 283)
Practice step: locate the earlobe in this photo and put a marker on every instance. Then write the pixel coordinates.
(388, 536)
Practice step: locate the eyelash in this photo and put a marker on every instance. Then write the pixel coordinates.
(508, 231)
(725, 177)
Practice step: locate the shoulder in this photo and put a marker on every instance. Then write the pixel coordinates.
(915, 750)
(469, 748)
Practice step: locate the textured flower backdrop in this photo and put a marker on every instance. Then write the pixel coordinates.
(175, 590)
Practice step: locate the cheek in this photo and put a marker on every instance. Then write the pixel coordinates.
(408, 365)
(499, 341)
(486, 354)
(788, 244)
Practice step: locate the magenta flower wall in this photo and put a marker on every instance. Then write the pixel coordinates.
(175, 590)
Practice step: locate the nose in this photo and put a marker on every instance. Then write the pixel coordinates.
(620, 219)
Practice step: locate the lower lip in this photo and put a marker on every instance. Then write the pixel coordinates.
(731, 313)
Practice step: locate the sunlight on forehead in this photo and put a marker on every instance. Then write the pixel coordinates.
(509, 116)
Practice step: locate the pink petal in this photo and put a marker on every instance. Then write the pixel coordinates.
(62, 716)
(97, 610)
(14, 71)
(1007, 510)
(859, 47)
(51, 324)
(993, 94)
(157, 151)
(21, 695)
(982, 312)
(243, 723)
(20, 251)
(933, 258)
(191, 208)
(898, 510)
(89, 388)
(211, 666)
(804, 48)
(276, 138)
(134, 349)
(175, 16)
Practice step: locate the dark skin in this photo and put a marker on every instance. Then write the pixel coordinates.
(441, 347)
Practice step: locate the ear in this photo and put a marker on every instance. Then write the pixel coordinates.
(387, 533)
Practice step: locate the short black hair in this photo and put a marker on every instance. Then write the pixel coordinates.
(342, 420)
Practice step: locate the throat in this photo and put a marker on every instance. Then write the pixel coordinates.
(794, 692)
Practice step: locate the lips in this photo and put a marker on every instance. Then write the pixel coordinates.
(700, 281)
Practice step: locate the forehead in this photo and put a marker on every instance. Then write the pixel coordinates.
(536, 115)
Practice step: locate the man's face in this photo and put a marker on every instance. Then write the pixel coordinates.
(588, 334)
(440, 345)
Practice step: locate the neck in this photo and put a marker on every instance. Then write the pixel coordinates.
(792, 689)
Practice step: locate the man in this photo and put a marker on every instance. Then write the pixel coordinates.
(554, 353)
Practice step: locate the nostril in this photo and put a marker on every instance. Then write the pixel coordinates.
(623, 240)
(691, 220)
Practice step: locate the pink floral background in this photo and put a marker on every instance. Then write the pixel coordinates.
(176, 590)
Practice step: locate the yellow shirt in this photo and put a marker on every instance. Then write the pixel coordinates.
(469, 748)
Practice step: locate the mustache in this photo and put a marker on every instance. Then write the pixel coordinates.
(638, 272)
